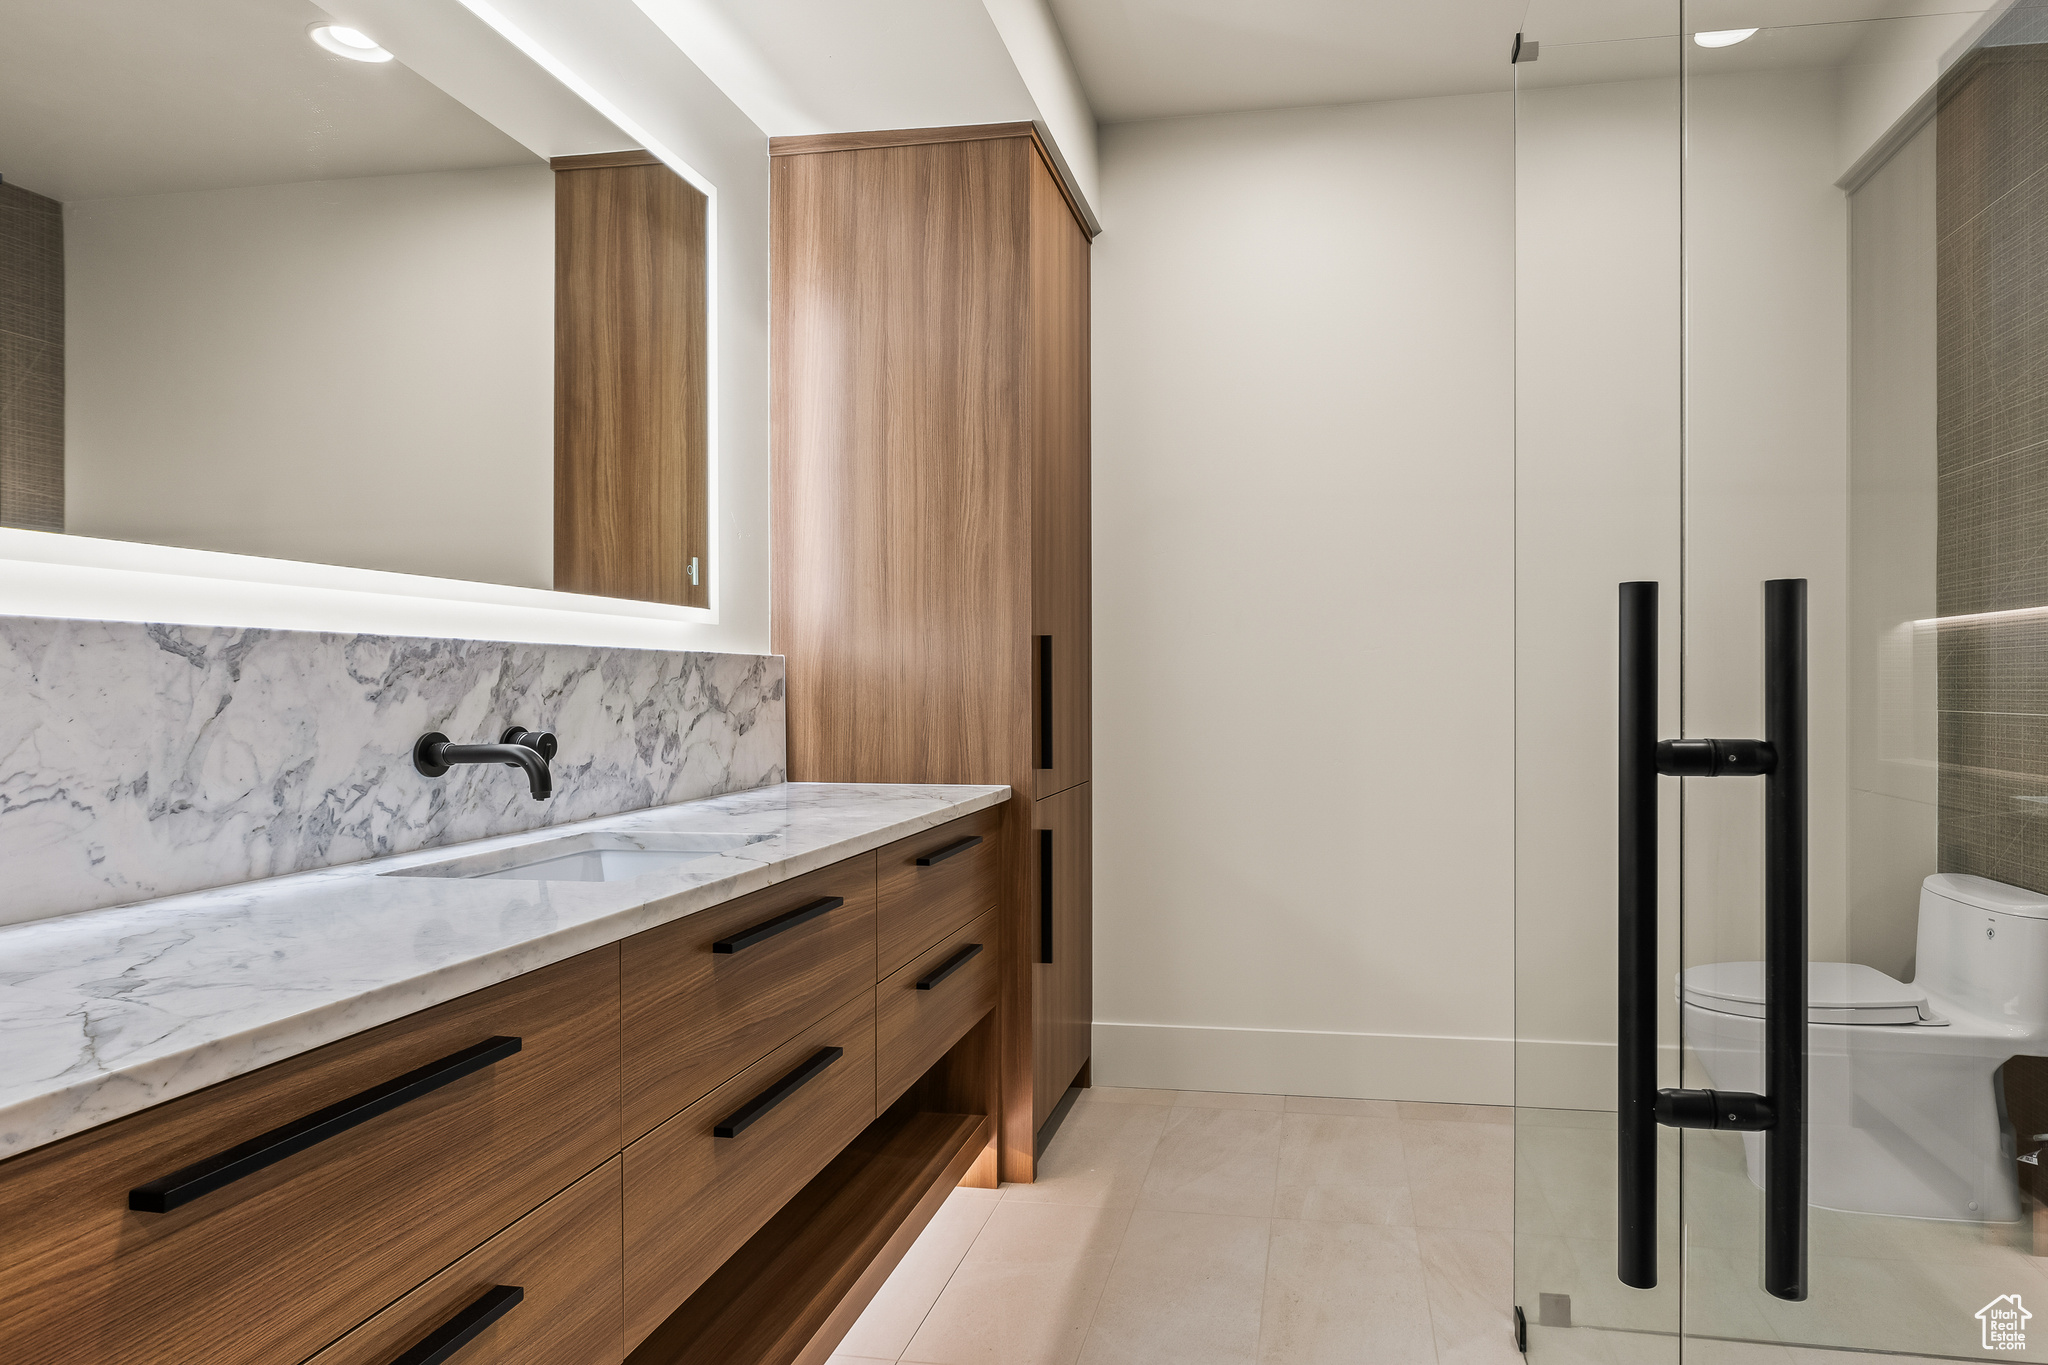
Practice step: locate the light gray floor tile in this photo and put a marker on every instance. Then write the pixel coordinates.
(1025, 1292)
(1336, 1168)
(1110, 1094)
(1457, 1113)
(1471, 1279)
(1357, 1109)
(893, 1316)
(1338, 1293)
(1186, 1289)
(1215, 1161)
(1219, 1099)
(1099, 1156)
(1460, 1175)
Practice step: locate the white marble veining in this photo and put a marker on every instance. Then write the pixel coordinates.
(108, 1012)
(144, 760)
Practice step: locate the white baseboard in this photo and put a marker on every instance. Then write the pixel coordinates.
(1537, 1073)
(1376, 1066)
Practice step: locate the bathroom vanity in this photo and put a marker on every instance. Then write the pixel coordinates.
(680, 1085)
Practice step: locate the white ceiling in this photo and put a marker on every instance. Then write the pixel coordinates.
(103, 99)
(1142, 59)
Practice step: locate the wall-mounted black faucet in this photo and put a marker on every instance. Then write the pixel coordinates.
(528, 750)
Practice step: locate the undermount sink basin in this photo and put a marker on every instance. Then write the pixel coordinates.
(586, 858)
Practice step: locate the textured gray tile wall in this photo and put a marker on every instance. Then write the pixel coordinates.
(1992, 451)
(31, 360)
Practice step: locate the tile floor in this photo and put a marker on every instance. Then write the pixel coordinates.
(1880, 1285)
(1203, 1229)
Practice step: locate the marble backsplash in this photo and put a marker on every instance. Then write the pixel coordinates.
(146, 760)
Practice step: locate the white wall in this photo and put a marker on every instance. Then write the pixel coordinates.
(347, 372)
(1303, 602)
(1597, 504)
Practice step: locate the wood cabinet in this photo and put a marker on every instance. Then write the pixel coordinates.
(733, 1158)
(744, 1212)
(930, 438)
(563, 1261)
(632, 433)
(274, 1265)
(707, 994)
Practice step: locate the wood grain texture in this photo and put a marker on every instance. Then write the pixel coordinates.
(1060, 513)
(915, 1028)
(693, 1199)
(631, 436)
(906, 426)
(564, 1255)
(806, 143)
(280, 1263)
(1065, 986)
(695, 1018)
(789, 1296)
(917, 906)
(594, 160)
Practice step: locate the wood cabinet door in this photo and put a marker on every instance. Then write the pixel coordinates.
(1063, 979)
(1059, 450)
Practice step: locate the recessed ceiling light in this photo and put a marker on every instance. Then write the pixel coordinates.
(351, 43)
(1723, 37)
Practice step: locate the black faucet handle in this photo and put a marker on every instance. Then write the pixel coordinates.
(540, 741)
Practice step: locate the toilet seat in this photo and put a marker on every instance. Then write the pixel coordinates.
(1836, 993)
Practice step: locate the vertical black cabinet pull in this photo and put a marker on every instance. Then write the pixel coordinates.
(769, 928)
(444, 1341)
(1780, 1112)
(1045, 701)
(1045, 895)
(753, 1110)
(183, 1186)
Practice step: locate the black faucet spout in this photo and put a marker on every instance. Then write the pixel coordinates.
(434, 755)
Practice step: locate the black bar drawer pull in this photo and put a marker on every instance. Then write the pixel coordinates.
(769, 928)
(456, 1333)
(744, 1117)
(950, 850)
(183, 1186)
(950, 966)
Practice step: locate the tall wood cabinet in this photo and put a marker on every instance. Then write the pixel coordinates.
(931, 523)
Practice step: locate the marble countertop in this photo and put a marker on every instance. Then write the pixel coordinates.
(107, 1012)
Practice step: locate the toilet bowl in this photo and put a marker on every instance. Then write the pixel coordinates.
(1905, 1114)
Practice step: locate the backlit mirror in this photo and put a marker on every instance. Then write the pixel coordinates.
(271, 283)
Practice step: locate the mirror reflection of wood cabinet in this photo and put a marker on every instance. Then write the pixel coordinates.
(931, 521)
(631, 417)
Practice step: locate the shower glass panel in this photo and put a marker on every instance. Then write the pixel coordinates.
(1782, 313)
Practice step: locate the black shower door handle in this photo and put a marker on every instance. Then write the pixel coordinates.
(1780, 758)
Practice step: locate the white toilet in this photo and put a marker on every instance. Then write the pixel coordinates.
(1905, 1113)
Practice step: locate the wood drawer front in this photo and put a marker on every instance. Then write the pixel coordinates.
(563, 1258)
(694, 1017)
(692, 1197)
(281, 1262)
(913, 1027)
(916, 906)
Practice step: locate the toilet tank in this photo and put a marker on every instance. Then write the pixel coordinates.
(1984, 945)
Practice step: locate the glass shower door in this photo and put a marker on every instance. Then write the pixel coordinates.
(1783, 315)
